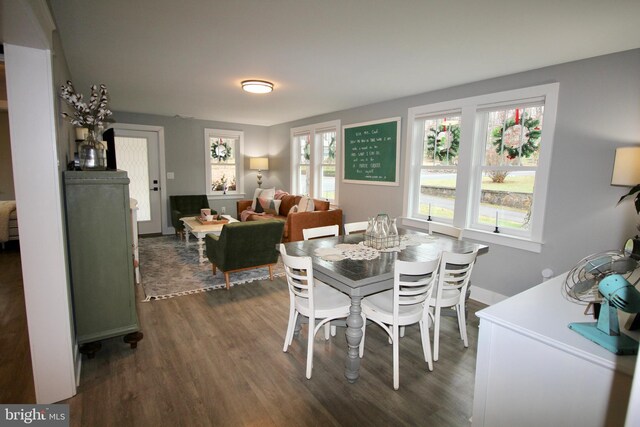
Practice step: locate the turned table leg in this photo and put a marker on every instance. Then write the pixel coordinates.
(201, 258)
(354, 336)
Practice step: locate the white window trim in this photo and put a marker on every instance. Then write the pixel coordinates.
(315, 157)
(224, 133)
(466, 163)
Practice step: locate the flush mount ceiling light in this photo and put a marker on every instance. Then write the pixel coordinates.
(257, 86)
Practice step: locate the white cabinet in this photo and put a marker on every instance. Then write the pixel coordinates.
(532, 370)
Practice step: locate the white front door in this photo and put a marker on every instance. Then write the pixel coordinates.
(138, 153)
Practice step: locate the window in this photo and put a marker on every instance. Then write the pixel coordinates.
(314, 160)
(439, 168)
(482, 164)
(509, 152)
(302, 157)
(223, 167)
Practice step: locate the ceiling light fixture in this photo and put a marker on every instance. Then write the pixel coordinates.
(257, 86)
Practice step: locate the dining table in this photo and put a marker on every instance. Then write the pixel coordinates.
(359, 278)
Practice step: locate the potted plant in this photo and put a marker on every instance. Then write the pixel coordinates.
(635, 190)
(91, 115)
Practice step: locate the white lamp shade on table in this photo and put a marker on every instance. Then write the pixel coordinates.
(626, 168)
(259, 163)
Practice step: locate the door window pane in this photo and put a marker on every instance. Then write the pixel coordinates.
(132, 156)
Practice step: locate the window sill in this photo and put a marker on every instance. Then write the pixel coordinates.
(482, 236)
(233, 196)
(502, 239)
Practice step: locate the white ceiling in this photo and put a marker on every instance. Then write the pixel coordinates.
(187, 57)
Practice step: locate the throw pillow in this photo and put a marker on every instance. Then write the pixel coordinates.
(293, 209)
(305, 204)
(258, 208)
(268, 206)
(266, 193)
(280, 194)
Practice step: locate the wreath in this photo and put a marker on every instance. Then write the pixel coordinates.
(525, 149)
(443, 142)
(220, 150)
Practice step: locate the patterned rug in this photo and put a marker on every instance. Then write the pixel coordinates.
(171, 269)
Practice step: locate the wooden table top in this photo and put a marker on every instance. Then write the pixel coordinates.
(197, 226)
(364, 277)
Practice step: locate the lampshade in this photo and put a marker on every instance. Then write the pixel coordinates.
(257, 86)
(259, 163)
(626, 168)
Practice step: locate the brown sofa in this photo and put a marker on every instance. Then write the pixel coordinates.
(297, 221)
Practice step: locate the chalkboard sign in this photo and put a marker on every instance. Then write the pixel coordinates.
(372, 152)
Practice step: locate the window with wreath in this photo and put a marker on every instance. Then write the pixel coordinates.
(223, 152)
(314, 160)
(439, 167)
(511, 143)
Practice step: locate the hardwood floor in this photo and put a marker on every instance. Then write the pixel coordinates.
(215, 359)
(16, 376)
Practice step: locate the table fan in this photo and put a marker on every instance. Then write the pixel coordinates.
(600, 278)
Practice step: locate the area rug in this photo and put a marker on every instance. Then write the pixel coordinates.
(170, 269)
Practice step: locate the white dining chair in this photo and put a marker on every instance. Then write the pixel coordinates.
(405, 304)
(450, 291)
(317, 232)
(317, 301)
(355, 227)
(446, 229)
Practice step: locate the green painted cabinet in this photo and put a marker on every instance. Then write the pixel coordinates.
(100, 255)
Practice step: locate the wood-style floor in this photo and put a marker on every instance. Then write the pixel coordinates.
(16, 376)
(215, 359)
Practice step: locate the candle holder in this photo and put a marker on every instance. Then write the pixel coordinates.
(496, 230)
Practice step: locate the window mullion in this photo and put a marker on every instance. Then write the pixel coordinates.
(464, 179)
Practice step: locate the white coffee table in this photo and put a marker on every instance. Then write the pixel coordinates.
(193, 226)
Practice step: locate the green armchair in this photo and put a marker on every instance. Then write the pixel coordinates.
(182, 206)
(245, 245)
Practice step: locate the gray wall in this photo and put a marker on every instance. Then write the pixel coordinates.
(184, 139)
(6, 168)
(598, 110)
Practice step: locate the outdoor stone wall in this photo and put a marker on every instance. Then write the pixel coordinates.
(492, 197)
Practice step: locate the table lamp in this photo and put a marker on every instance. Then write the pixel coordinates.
(260, 164)
(626, 172)
(626, 167)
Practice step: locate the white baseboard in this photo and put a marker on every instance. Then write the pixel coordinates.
(486, 296)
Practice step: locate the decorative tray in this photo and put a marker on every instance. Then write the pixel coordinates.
(215, 221)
